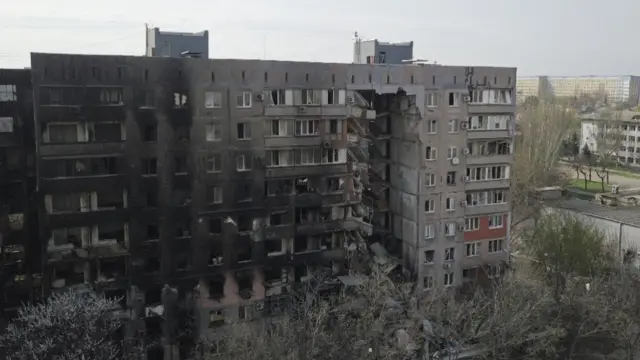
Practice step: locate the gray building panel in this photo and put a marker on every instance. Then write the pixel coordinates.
(174, 44)
(378, 52)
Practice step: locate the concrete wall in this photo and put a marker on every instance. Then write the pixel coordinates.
(172, 44)
(393, 53)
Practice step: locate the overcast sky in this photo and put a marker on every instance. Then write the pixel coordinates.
(540, 37)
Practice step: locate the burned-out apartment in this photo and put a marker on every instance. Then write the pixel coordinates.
(217, 187)
(19, 248)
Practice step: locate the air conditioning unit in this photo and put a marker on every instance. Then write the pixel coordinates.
(446, 266)
(260, 305)
(466, 98)
(302, 109)
(464, 125)
(460, 228)
(260, 97)
(326, 144)
(466, 178)
(349, 99)
(465, 151)
(463, 203)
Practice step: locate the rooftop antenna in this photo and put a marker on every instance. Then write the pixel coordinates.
(357, 47)
(264, 45)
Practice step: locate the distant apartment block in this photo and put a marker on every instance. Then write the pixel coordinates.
(176, 44)
(592, 126)
(616, 89)
(378, 52)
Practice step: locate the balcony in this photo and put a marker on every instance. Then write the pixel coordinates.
(486, 209)
(86, 148)
(489, 159)
(487, 184)
(489, 134)
(308, 199)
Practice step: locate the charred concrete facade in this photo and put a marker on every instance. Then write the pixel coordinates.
(19, 247)
(231, 181)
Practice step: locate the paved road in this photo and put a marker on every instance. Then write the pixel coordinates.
(624, 182)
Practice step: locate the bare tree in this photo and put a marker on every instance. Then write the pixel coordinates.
(74, 325)
(541, 128)
(609, 138)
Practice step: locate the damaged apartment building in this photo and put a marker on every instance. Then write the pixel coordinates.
(219, 186)
(19, 248)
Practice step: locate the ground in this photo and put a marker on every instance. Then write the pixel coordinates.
(626, 179)
(592, 186)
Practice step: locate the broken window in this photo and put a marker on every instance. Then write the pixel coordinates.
(62, 133)
(182, 132)
(180, 196)
(180, 100)
(307, 156)
(152, 265)
(149, 166)
(305, 216)
(152, 232)
(213, 132)
(453, 99)
(272, 275)
(213, 163)
(111, 96)
(183, 261)
(66, 202)
(279, 158)
(216, 287)
(277, 97)
(451, 177)
(110, 199)
(429, 256)
(273, 246)
(182, 166)
(279, 218)
(215, 226)
(79, 167)
(243, 192)
(245, 223)
(279, 187)
(332, 97)
(331, 156)
(302, 185)
(151, 198)
(110, 269)
(150, 133)
(213, 99)
(216, 254)
(307, 127)
(147, 98)
(8, 93)
(301, 244)
(333, 126)
(333, 184)
(106, 132)
(111, 233)
(311, 97)
(243, 131)
(244, 249)
(243, 99)
(245, 284)
(214, 195)
(183, 228)
(299, 272)
(64, 236)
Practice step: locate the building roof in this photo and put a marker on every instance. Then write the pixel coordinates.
(624, 214)
(624, 115)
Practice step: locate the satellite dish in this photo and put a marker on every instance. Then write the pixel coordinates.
(455, 161)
